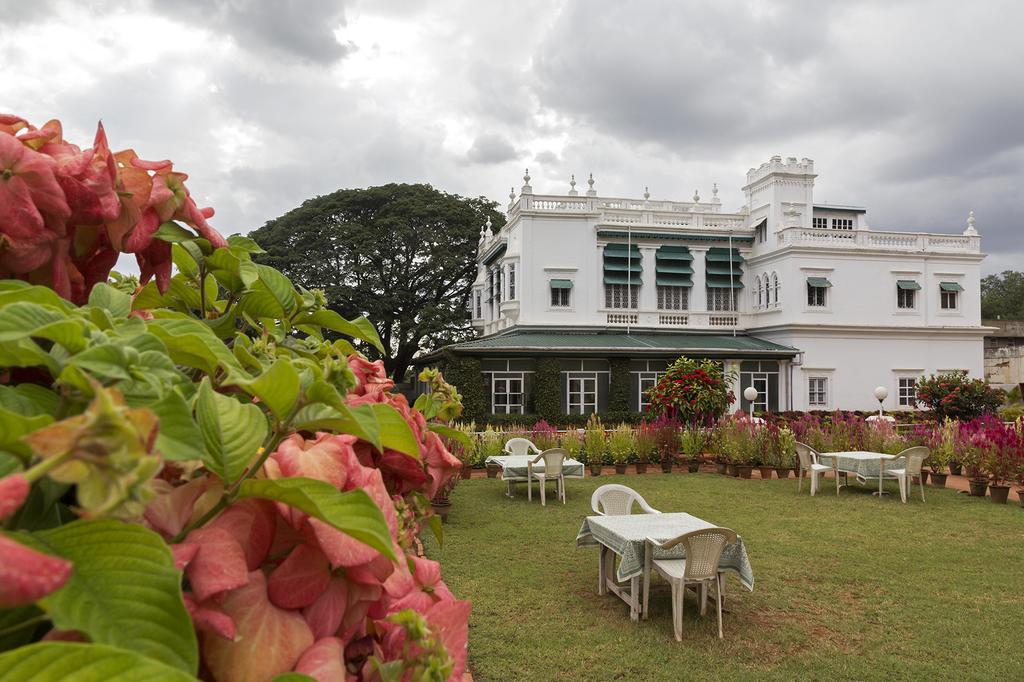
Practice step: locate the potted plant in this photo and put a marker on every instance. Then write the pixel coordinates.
(491, 445)
(971, 443)
(441, 502)
(693, 441)
(1001, 459)
(572, 442)
(667, 437)
(544, 436)
(620, 445)
(766, 437)
(644, 441)
(785, 453)
(594, 444)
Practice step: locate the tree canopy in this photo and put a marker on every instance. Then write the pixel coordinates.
(1002, 296)
(403, 255)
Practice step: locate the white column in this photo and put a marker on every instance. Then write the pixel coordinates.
(698, 293)
(734, 366)
(648, 292)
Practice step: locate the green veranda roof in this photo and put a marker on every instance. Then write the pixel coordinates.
(568, 343)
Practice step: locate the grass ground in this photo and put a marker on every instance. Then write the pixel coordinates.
(845, 588)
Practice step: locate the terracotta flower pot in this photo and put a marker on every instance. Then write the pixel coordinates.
(781, 472)
(924, 476)
(620, 469)
(720, 467)
(766, 473)
(693, 466)
(492, 470)
(441, 508)
(1020, 497)
(595, 469)
(641, 467)
(730, 470)
(999, 493)
(939, 480)
(466, 471)
(666, 466)
(978, 486)
(955, 468)
(744, 470)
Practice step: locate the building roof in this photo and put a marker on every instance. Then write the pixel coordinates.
(567, 342)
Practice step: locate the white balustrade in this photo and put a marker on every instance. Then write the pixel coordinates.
(871, 239)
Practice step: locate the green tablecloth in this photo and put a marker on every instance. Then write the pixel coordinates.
(513, 467)
(863, 465)
(625, 536)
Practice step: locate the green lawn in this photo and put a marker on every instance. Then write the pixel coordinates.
(846, 588)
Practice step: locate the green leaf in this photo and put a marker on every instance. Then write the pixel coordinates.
(44, 661)
(26, 353)
(292, 677)
(237, 241)
(272, 296)
(179, 438)
(13, 426)
(23, 320)
(124, 591)
(8, 465)
(44, 398)
(434, 521)
(277, 388)
(360, 422)
(173, 232)
(395, 432)
(232, 432)
(234, 273)
(451, 434)
(193, 344)
(359, 328)
(118, 303)
(148, 297)
(41, 509)
(14, 290)
(353, 513)
(108, 361)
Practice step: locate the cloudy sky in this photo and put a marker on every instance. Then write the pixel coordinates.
(913, 109)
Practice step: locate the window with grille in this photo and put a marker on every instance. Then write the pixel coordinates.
(478, 309)
(511, 281)
(507, 394)
(760, 291)
(820, 223)
(721, 300)
(775, 289)
(905, 299)
(673, 298)
(817, 392)
(817, 297)
(842, 223)
(907, 392)
(560, 297)
(581, 388)
(621, 296)
(948, 300)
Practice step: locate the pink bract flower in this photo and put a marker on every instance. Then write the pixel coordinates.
(323, 661)
(300, 579)
(27, 575)
(13, 491)
(371, 377)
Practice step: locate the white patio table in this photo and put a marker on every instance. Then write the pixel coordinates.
(514, 467)
(863, 465)
(624, 536)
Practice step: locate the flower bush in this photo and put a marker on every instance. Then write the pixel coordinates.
(257, 486)
(621, 444)
(692, 392)
(544, 435)
(644, 441)
(595, 444)
(953, 396)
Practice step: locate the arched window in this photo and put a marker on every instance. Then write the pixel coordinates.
(775, 288)
(757, 282)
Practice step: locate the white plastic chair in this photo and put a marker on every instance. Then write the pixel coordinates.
(912, 458)
(703, 549)
(553, 460)
(521, 447)
(809, 463)
(617, 500)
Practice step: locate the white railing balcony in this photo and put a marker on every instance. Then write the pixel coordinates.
(674, 319)
(874, 240)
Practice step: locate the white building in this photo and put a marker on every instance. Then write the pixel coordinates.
(804, 300)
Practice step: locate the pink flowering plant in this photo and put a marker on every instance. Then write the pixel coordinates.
(194, 479)
(692, 392)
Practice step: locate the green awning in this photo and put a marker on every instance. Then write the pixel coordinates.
(907, 285)
(676, 253)
(624, 265)
(722, 255)
(673, 267)
(723, 269)
(716, 283)
(950, 286)
(669, 281)
(561, 284)
(818, 282)
(494, 254)
(620, 278)
(622, 250)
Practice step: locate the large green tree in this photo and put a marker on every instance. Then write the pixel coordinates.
(1002, 296)
(403, 255)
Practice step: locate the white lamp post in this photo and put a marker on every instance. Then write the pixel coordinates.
(750, 393)
(881, 393)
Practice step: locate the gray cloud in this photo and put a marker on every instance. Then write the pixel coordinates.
(491, 148)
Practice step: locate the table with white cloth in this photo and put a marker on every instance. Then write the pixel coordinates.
(514, 468)
(624, 536)
(863, 465)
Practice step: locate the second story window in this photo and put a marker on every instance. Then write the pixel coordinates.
(621, 296)
(511, 281)
(817, 292)
(842, 223)
(721, 300)
(478, 308)
(949, 295)
(775, 290)
(673, 298)
(906, 294)
(819, 223)
(561, 292)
